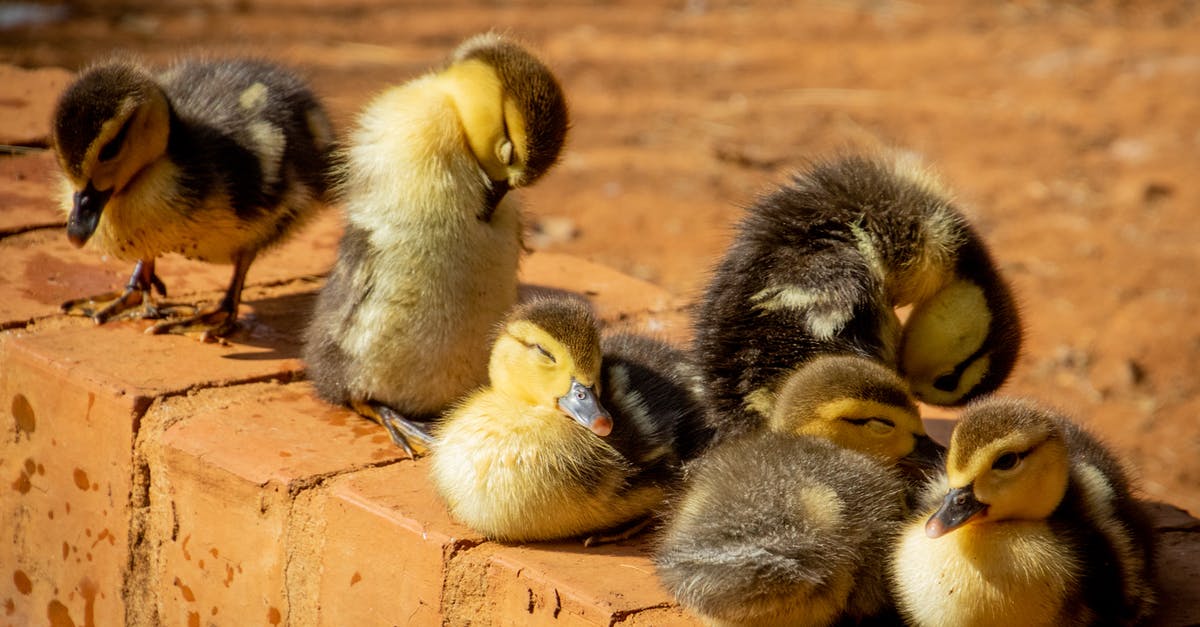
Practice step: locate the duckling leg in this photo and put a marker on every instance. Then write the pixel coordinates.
(104, 307)
(620, 533)
(220, 320)
(405, 433)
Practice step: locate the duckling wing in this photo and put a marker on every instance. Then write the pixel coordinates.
(1114, 533)
(771, 307)
(771, 523)
(251, 128)
(653, 390)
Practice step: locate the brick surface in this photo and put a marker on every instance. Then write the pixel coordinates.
(615, 296)
(393, 507)
(29, 98)
(567, 583)
(65, 460)
(47, 270)
(73, 399)
(227, 473)
(26, 193)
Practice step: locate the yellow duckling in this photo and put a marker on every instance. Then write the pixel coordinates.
(212, 159)
(1038, 527)
(819, 266)
(427, 266)
(792, 525)
(575, 435)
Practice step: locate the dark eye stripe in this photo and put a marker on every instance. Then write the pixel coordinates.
(113, 146)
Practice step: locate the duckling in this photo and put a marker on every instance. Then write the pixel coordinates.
(820, 265)
(790, 525)
(427, 265)
(1038, 527)
(575, 435)
(216, 160)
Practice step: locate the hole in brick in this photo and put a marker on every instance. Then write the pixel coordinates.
(21, 580)
(22, 484)
(22, 411)
(81, 479)
(59, 615)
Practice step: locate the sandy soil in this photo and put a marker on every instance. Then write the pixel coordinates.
(1070, 130)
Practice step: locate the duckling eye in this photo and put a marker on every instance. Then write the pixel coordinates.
(113, 146)
(878, 426)
(947, 382)
(545, 353)
(1007, 461)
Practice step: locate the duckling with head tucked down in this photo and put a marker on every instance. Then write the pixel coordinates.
(791, 525)
(212, 159)
(427, 265)
(1038, 528)
(575, 435)
(819, 267)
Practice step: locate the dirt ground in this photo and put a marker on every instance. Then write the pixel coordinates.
(1071, 132)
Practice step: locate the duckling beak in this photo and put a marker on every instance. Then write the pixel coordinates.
(582, 405)
(926, 455)
(959, 507)
(494, 195)
(85, 214)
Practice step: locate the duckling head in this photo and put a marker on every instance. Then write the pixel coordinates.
(548, 354)
(109, 125)
(512, 108)
(961, 343)
(858, 404)
(1007, 461)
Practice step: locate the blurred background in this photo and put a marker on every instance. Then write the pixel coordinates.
(1070, 130)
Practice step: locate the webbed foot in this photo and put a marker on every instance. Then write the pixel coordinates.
(133, 302)
(407, 434)
(617, 534)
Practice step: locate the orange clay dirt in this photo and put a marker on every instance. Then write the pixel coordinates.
(1071, 132)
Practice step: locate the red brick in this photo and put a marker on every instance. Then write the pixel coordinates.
(73, 398)
(226, 470)
(569, 584)
(393, 507)
(613, 294)
(29, 98)
(46, 270)
(65, 459)
(26, 184)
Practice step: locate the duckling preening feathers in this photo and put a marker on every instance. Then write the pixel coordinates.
(818, 267)
(427, 266)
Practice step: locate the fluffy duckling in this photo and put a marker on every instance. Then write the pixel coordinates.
(1038, 527)
(820, 265)
(575, 435)
(212, 159)
(427, 266)
(791, 525)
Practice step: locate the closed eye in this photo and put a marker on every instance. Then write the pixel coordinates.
(862, 422)
(545, 353)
